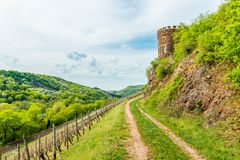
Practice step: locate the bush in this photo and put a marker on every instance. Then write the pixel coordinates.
(163, 68)
(209, 58)
(235, 76)
(154, 64)
(215, 33)
(215, 37)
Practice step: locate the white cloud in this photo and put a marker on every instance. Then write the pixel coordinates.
(76, 56)
(8, 61)
(124, 46)
(39, 33)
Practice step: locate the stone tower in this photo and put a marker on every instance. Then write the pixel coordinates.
(165, 41)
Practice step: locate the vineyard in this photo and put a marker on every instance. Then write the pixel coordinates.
(50, 143)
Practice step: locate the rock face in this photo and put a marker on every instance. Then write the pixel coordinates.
(152, 81)
(205, 90)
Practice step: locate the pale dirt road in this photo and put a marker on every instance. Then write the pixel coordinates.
(136, 148)
(186, 148)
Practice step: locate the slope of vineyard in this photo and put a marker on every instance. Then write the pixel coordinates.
(32, 102)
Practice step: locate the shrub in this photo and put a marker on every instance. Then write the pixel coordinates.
(235, 76)
(163, 68)
(154, 64)
(215, 36)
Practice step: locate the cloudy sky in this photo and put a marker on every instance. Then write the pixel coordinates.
(98, 43)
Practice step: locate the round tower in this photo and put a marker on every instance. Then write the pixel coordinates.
(165, 41)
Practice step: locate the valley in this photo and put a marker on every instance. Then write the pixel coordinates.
(189, 108)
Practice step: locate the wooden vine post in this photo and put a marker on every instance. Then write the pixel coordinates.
(46, 144)
(39, 148)
(64, 134)
(83, 129)
(18, 152)
(0, 152)
(102, 113)
(98, 119)
(26, 147)
(67, 134)
(76, 128)
(35, 150)
(54, 142)
(89, 121)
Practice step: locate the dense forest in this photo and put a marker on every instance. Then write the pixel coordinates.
(30, 103)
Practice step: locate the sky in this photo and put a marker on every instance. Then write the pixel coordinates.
(97, 43)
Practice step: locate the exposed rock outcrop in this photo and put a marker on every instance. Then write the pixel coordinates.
(204, 90)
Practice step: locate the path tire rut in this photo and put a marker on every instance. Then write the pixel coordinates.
(136, 148)
(186, 148)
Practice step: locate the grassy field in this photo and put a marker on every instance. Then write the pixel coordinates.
(208, 141)
(160, 146)
(106, 141)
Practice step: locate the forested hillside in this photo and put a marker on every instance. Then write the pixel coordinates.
(30, 102)
(128, 91)
(198, 86)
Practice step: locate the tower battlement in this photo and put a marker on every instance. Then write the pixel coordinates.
(165, 41)
(167, 29)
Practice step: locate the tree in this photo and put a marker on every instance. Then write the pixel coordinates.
(10, 123)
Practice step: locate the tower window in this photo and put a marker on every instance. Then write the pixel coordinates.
(164, 49)
(163, 39)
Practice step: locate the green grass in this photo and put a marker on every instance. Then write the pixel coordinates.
(106, 141)
(160, 146)
(190, 127)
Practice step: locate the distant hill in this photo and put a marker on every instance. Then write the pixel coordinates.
(19, 86)
(127, 91)
(32, 102)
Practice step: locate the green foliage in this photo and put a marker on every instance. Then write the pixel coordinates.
(154, 64)
(184, 42)
(215, 37)
(128, 91)
(235, 76)
(161, 96)
(163, 68)
(6, 106)
(37, 101)
(18, 86)
(10, 122)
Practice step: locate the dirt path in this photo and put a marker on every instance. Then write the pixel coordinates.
(191, 152)
(136, 148)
